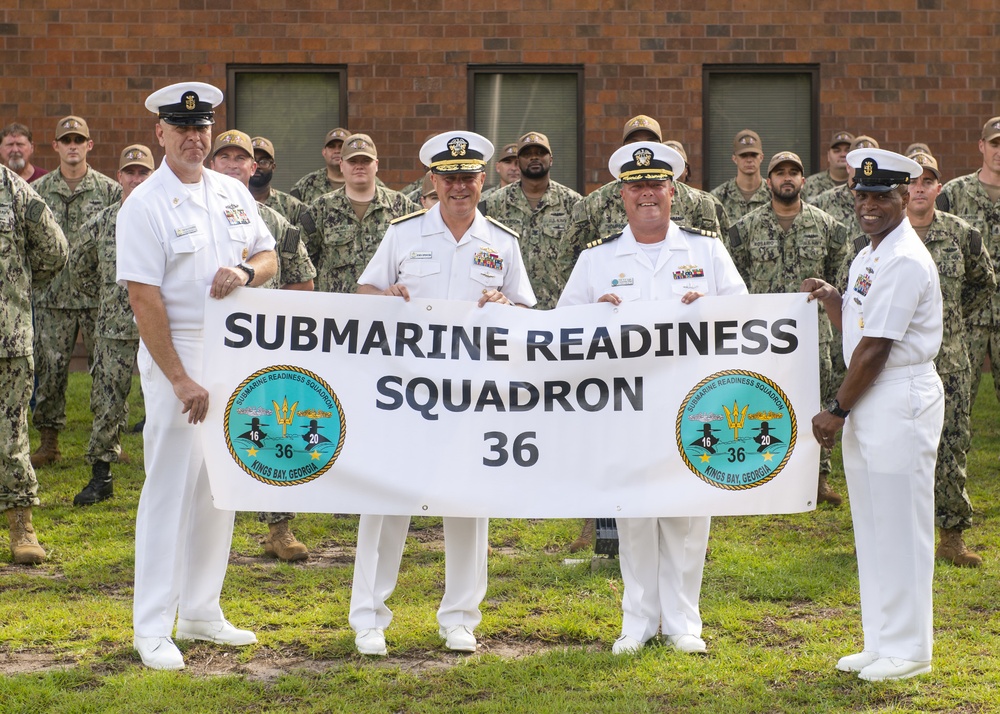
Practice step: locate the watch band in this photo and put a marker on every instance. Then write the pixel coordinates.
(836, 410)
(248, 270)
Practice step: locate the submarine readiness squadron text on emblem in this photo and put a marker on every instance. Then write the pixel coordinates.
(284, 426)
(736, 430)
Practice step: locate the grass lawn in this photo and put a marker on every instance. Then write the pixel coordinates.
(779, 601)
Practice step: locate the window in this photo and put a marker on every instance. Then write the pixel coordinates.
(779, 102)
(263, 100)
(508, 102)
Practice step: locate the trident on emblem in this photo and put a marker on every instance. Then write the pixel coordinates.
(735, 418)
(286, 416)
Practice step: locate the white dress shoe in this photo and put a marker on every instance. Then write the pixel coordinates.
(893, 668)
(626, 645)
(687, 643)
(856, 662)
(371, 642)
(158, 652)
(458, 638)
(220, 632)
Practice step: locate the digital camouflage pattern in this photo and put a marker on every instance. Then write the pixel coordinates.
(602, 214)
(33, 250)
(343, 244)
(839, 203)
(294, 265)
(114, 362)
(313, 185)
(733, 202)
(816, 184)
(540, 231)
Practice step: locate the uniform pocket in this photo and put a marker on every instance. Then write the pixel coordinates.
(190, 256)
(419, 268)
(486, 276)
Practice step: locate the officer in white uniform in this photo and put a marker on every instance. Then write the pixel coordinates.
(447, 252)
(190, 231)
(662, 559)
(891, 318)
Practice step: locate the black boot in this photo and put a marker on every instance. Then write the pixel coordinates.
(100, 487)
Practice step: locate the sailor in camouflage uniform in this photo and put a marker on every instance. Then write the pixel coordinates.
(34, 251)
(976, 198)
(295, 211)
(538, 209)
(839, 201)
(75, 193)
(92, 264)
(329, 178)
(781, 244)
(350, 222)
(233, 154)
(747, 190)
(507, 167)
(602, 214)
(967, 286)
(836, 173)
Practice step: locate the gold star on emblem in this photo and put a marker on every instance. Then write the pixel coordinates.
(768, 456)
(251, 451)
(704, 457)
(315, 455)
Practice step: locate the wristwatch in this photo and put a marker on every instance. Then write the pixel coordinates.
(248, 270)
(834, 408)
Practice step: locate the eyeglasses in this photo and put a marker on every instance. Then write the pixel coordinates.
(265, 163)
(72, 139)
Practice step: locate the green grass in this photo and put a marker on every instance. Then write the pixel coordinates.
(780, 605)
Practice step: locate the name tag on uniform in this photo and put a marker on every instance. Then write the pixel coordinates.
(185, 230)
(421, 254)
(236, 215)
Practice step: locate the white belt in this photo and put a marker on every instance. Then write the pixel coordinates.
(907, 370)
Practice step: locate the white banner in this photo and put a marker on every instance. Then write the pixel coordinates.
(357, 404)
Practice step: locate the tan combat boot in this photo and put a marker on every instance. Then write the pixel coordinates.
(23, 543)
(825, 494)
(48, 451)
(281, 543)
(953, 549)
(586, 537)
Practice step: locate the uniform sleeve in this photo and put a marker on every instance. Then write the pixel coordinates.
(141, 257)
(980, 281)
(578, 290)
(728, 279)
(893, 298)
(382, 270)
(838, 252)
(263, 241)
(83, 257)
(47, 246)
(516, 285)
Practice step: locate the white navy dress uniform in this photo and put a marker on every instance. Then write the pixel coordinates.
(179, 235)
(891, 434)
(420, 252)
(662, 559)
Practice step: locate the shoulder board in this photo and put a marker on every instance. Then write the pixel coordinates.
(698, 231)
(606, 239)
(860, 243)
(498, 224)
(408, 216)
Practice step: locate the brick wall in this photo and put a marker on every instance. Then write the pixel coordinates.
(902, 70)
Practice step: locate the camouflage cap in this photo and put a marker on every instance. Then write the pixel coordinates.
(233, 137)
(917, 147)
(533, 138)
(783, 157)
(747, 141)
(72, 125)
(427, 186)
(507, 153)
(926, 161)
(641, 123)
(136, 155)
(991, 129)
(261, 144)
(358, 145)
(864, 142)
(338, 134)
(841, 137)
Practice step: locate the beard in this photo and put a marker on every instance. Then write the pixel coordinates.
(536, 171)
(787, 197)
(16, 164)
(261, 178)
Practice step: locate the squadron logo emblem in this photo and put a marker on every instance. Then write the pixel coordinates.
(284, 426)
(736, 430)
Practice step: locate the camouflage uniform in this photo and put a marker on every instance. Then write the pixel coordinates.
(967, 284)
(93, 266)
(817, 184)
(602, 214)
(540, 231)
(294, 266)
(966, 198)
(733, 202)
(344, 245)
(773, 261)
(32, 252)
(313, 185)
(412, 190)
(62, 309)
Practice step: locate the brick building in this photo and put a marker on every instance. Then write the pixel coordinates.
(400, 70)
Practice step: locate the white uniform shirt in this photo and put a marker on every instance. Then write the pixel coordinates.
(422, 254)
(894, 292)
(687, 261)
(179, 238)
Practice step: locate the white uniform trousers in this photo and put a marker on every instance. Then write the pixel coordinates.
(376, 569)
(662, 561)
(890, 448)
(181, 540)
